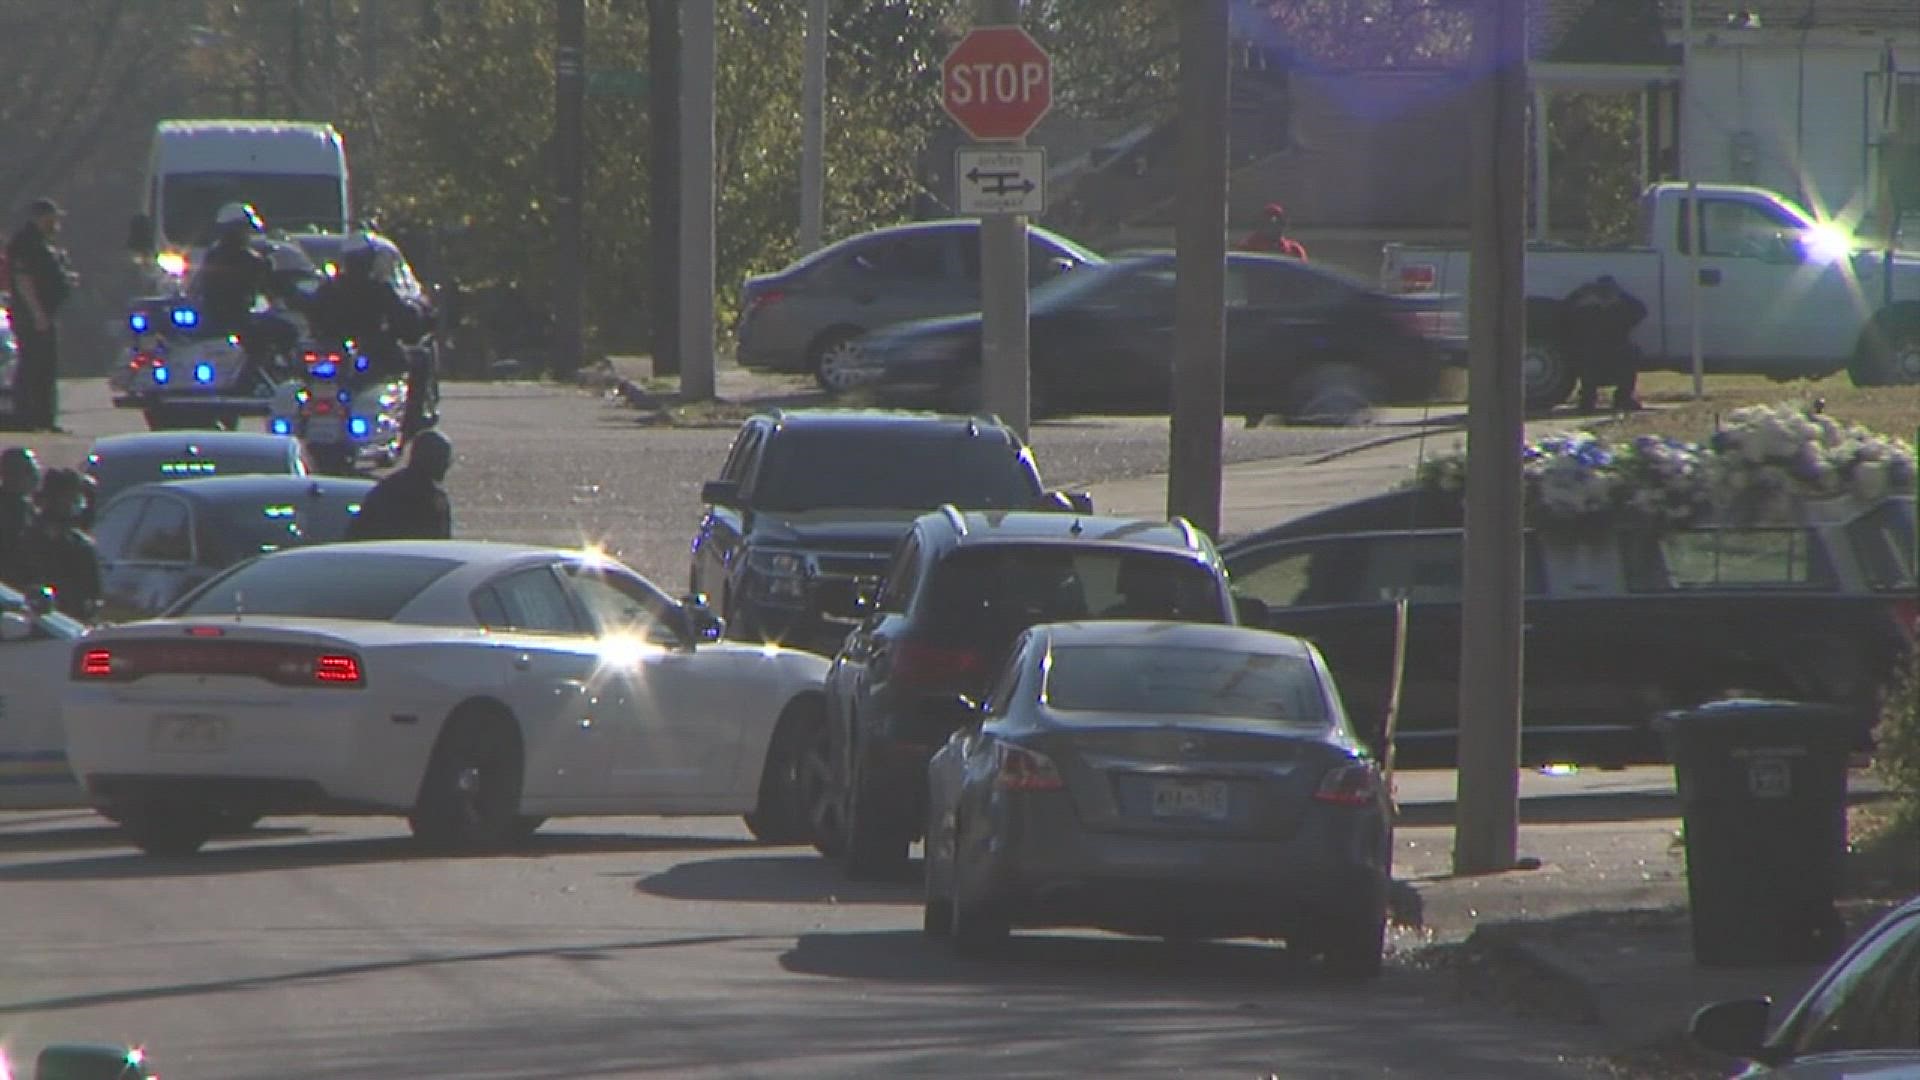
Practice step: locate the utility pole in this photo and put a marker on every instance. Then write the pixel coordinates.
(1696, 229)
(1200, 267)
(569, 138)
(1004, 371)
(696, 202)
(813, 128)
(297, 57)
(1486, 827)
(663, 204)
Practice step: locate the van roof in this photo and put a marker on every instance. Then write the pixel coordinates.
(281, 146)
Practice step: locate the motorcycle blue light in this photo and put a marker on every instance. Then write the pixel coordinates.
(360, 363)
(281, 426)
(138, 322)
(185, 318)
(345, 397)
(161, 374)
(357, 427)
(203, 373)
(324, 371)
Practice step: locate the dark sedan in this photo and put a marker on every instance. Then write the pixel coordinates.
(1303, 341)
(158, 541)
(118, 462)
(1172, 779)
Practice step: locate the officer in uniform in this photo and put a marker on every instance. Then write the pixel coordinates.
(55, 552)
(410, 504)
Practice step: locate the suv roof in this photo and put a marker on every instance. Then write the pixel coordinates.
(968, 528)
(869, 418)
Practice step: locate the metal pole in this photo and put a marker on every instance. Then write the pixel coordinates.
(1200, 267)
(663, 206)
(1003, 287)
(1696, 229)
(1487, 804)
(813, 128)
(696, 201)
(1543, 152)
(569, 70)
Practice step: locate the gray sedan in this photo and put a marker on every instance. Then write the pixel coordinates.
(1170, 779)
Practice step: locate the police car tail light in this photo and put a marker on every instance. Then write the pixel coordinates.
(93, 664)
(337, 669)
(203, 373)
(186, 318)
(310, 357)
(201, 654)
(161, 374)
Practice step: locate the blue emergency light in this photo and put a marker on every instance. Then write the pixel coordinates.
(186, 318)
(161, 375)
(138, 322)
(203, 373)
(280, 426)
(357, 427)
(360, 363)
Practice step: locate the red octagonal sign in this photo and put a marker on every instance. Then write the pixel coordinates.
(997, 83)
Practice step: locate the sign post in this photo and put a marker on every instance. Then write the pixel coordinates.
(996, 84)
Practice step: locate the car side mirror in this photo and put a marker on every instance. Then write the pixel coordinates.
(1251, 611)
(140, 235)
(15, 626)
(720, 492)
(1735, 1028)
(702, 623)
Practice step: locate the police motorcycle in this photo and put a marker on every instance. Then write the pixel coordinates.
(182, 374)
(346, 411)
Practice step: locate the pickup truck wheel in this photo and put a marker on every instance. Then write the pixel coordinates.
(1546, 373)
(1889, 353)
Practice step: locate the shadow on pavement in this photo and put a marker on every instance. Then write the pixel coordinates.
(106, 835)
(1585, 808)
(777, 879)
(243, 857)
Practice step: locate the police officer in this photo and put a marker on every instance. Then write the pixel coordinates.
(360, 305)
(57, 554)
(42, 281)
(233, 275)
(410, 503)
(19, 477)
(1600, 319)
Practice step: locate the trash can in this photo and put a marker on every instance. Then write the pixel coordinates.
(1763, 795)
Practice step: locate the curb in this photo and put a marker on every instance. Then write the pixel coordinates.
(1507, 942)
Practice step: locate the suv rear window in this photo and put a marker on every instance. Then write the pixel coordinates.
(893, 469)
(986, 595)
(1155, 682)
(318, 585)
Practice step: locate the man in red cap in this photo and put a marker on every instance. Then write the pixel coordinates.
(1272, 235)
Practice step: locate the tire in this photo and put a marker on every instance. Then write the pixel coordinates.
(525, 826)
(1336, 393)
(171, 831)
(794, 778)
(875, 849)
(1547, 374)
(1352, 944)
(233, 823)
(830, 356)
(1889, 353)
(936, 915)
(470, 796)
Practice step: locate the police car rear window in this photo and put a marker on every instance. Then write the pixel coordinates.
(319, 585)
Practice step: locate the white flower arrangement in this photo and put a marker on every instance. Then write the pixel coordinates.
(1763, 462)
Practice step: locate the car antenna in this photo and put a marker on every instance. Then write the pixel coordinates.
(239, 604)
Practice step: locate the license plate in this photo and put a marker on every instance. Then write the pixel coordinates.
(188, 733)
(1205, 799)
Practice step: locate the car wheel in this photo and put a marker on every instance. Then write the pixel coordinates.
(795, 760)
(834, 358)
(169, 831)
(1546, 373)
(1332, 393)
(1352, 944)
(1889, 354)
(471, 793)
(876, 849)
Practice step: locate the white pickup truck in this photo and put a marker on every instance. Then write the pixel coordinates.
(1781, 293)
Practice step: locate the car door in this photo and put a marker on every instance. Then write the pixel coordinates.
(1760, 309)
(869, 646)
(568, 715)
(33, 760)
(676, 741)
(1869, 1001)
(1279, 324)
(719, 539)
(120, 581)
(155, 561)
(911, 274)
(1114, 346)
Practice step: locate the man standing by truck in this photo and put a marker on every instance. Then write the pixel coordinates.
(1600, 318)
(42, 281)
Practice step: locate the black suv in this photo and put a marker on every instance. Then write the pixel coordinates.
(809, 503)
(961, 588)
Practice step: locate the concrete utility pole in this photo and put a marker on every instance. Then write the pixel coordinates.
(1004, 371)
(1696, 229)
(569, 138)
(1487, 804)
(1200, 267)
(663, 206)
(813, 128)
(696, 202)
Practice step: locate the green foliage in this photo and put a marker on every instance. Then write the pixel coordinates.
(1897, 755)
(1593, 175)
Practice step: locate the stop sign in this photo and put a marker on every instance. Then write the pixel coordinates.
(997, 83)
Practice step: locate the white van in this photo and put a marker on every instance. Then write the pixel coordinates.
(294, 173)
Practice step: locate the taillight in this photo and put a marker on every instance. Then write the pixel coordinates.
(765, 299)
(1355, 784)
(201, 653)
(917, 663)
(1418, 277)
(95, 664)
(310, 357)
(1016, 768)
(330, 668)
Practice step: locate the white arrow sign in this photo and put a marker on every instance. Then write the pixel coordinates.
(996, 181)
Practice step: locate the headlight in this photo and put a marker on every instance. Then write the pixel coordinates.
(171, 263)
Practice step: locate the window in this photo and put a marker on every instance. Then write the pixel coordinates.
(319, 583)
(1425, 567)
(1883, 541)
(992, 592)
(1002, 694)
(1154, 682)
(165, 534)
(1735, 559)
(531, 600)
(888, 467)
(740, 458)
(903, 575)
(1873, 1003)
(115, 527)
(619, 604)
(918, 257)
(1739, 228)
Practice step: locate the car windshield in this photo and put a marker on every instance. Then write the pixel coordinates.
(887, 468)
(987, 595)
(254, 526)
(285, 202)
(1154, 682)
(339, 584)
(116, 472)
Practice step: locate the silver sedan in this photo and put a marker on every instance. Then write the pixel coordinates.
(1168, 779)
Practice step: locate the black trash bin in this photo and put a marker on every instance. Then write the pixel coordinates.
(1763, 793)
